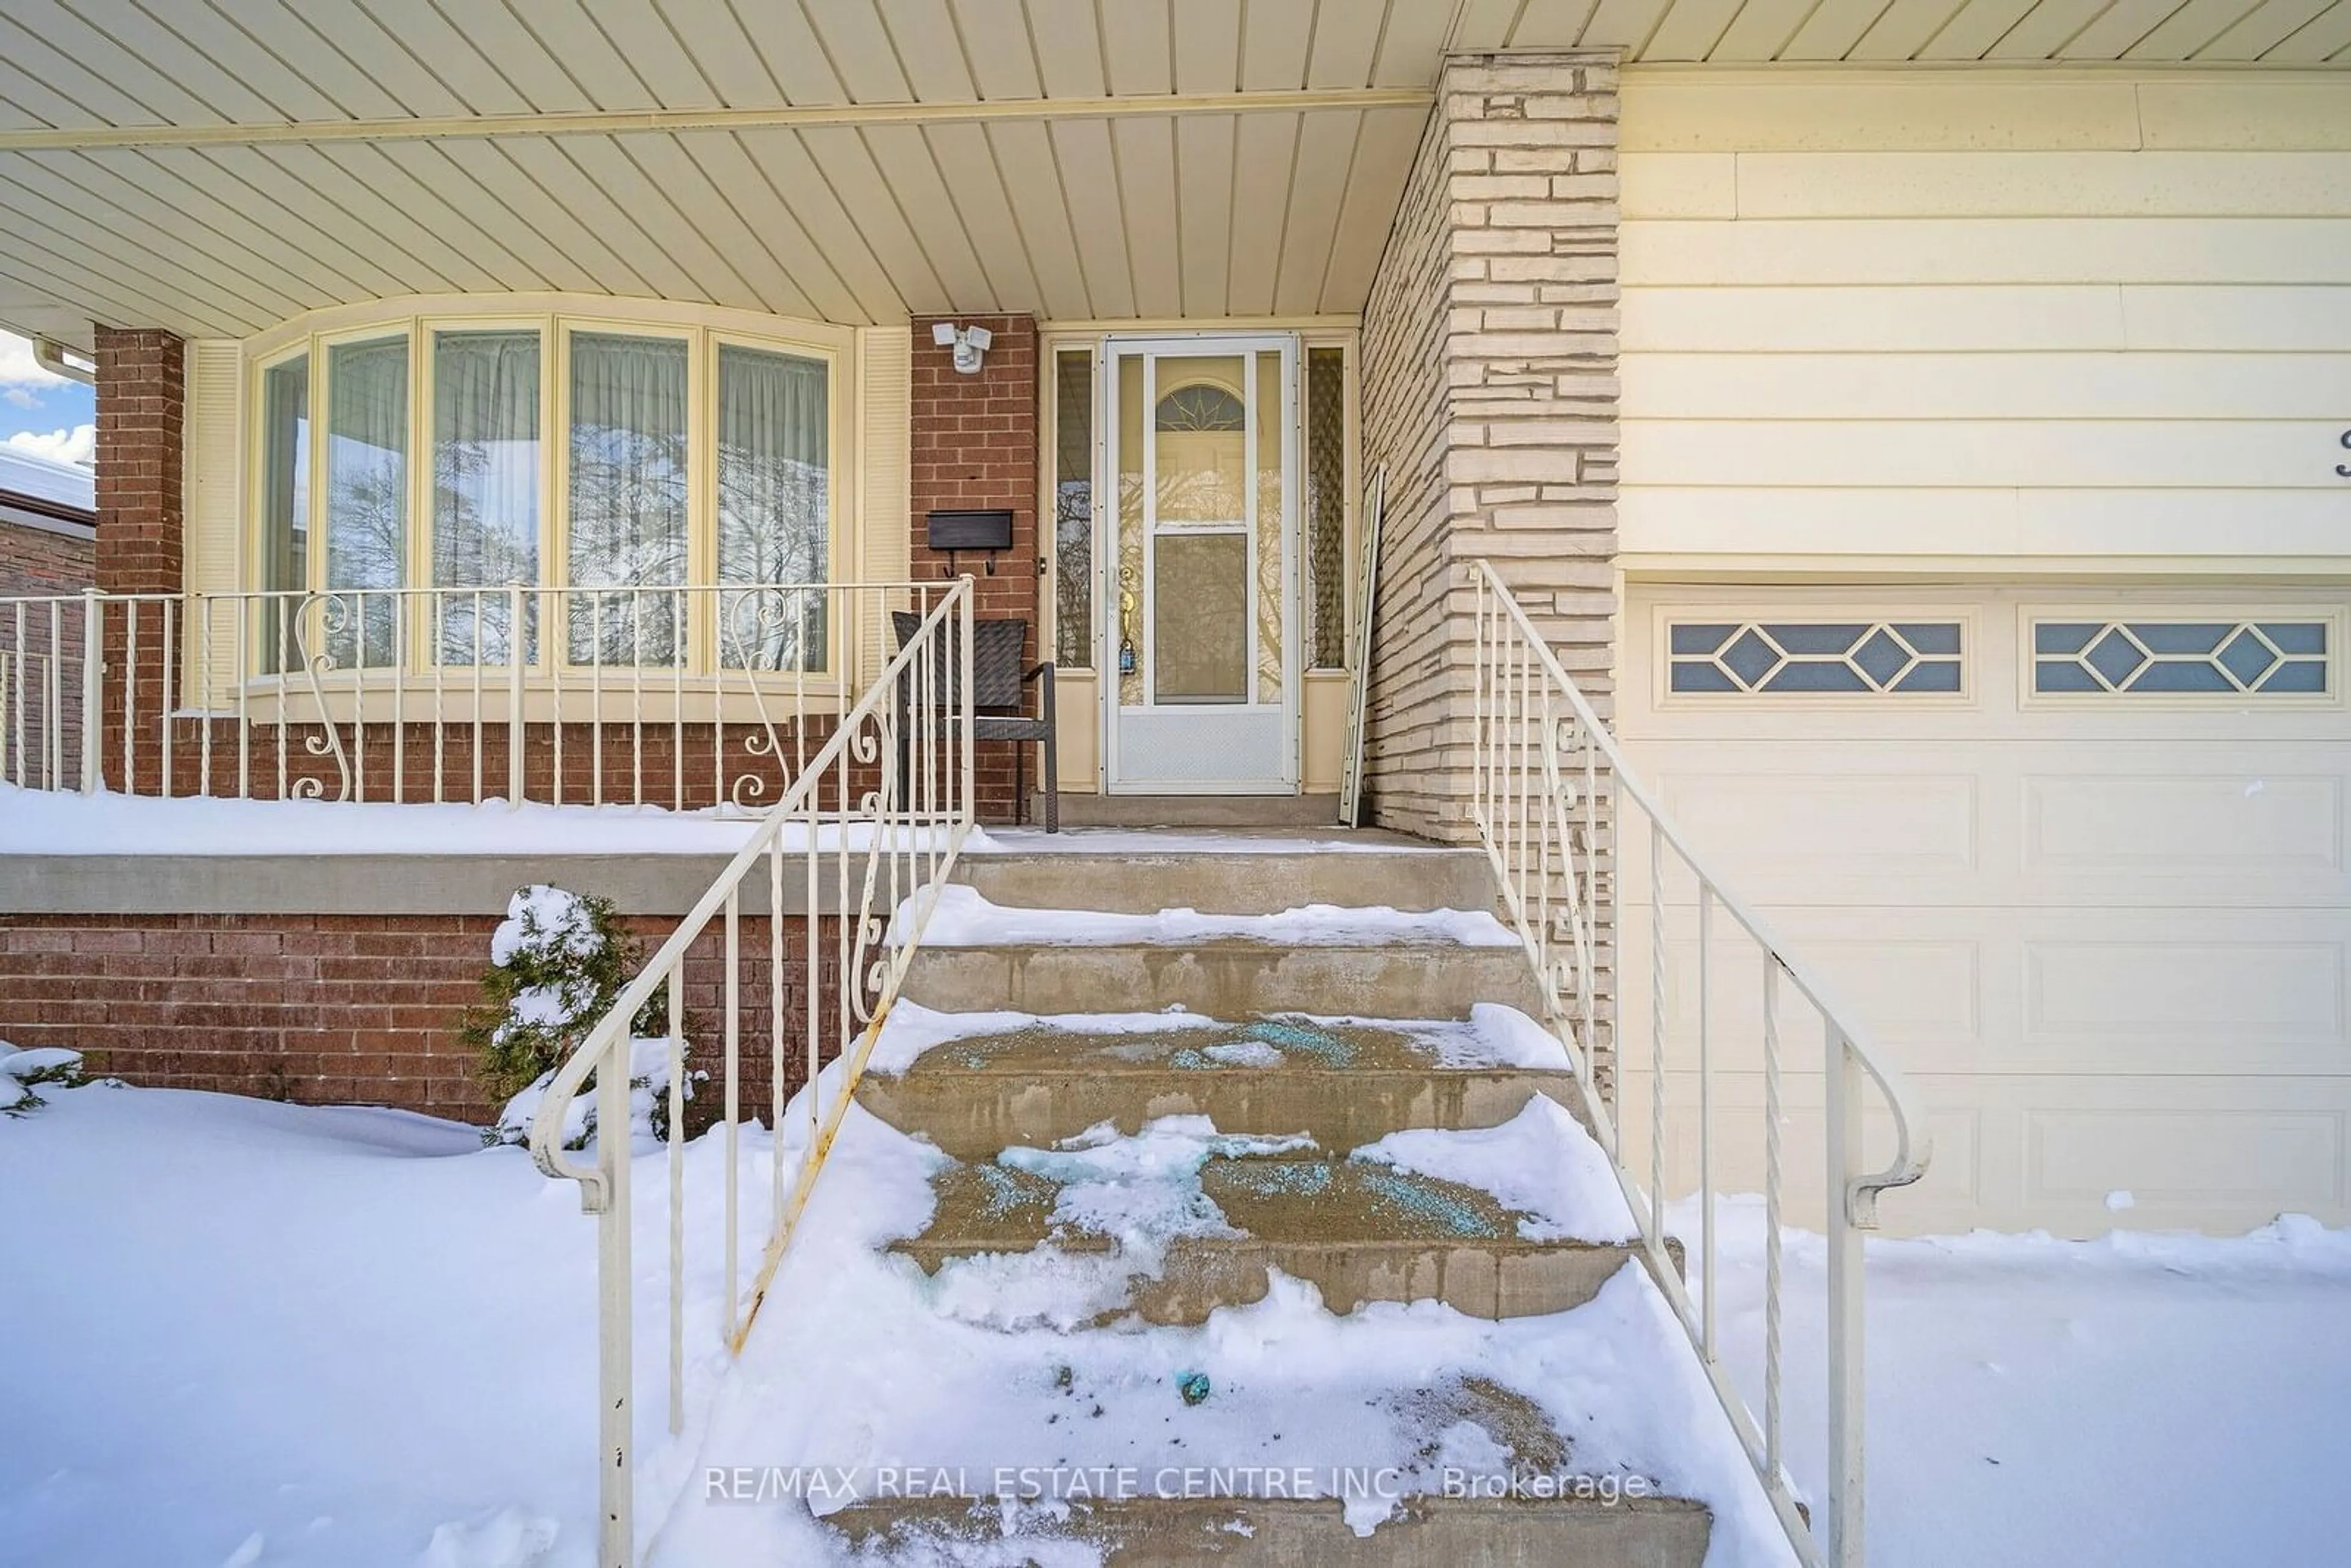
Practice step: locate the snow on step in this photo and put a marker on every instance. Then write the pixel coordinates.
(1492, 1036)
(1155, 842)
(964, 918)
(1180, 1220)
(865, 1369)
(973, 1083)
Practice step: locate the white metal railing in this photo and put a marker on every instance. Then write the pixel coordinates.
(646, 694)
(867, 832)
(1558, 808)
(39, 728)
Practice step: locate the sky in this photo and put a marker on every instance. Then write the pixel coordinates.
(41, 413)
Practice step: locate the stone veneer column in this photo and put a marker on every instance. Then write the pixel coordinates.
(1489, 395)
(142, 404)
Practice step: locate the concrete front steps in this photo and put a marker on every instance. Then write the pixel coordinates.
(1343, 1084)
(1229, 978)
(1281, 1533)
(1310, 1079)
(1356, 1232)
(1290, 812)
(1243, 873)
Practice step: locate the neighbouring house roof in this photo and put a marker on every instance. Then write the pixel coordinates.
(40, 489)
(856, 160)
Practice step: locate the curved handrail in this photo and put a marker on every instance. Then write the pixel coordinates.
(546, 1141)
(1914, 1144)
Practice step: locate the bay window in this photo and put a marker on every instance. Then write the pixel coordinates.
(662, 489)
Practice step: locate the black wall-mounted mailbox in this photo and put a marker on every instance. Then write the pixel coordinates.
(969, 530)
(954, 531)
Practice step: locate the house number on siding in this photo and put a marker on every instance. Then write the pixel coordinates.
(2342, 470)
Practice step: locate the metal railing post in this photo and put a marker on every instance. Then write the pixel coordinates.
(970, 722)
(515, 668)
(93, 692)
(616, 1485)
(1842, 1087)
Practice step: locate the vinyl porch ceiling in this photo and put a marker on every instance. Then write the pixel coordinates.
(214, 166)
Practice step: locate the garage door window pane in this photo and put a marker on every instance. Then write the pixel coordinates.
(2180, 658)
(1815, 658)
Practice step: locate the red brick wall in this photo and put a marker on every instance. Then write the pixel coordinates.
(974, 446)
(40, 562)
(343, 1009)
(142, 400)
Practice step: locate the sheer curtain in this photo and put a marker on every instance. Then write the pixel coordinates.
(773, 507)
(285, 508)
(367, 497)
(627, 495)
(484, 488)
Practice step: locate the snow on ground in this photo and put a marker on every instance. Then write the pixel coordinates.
(2161, 1400)
(295, 1337)
(272, 1335)
(963, 917)
(60, 822)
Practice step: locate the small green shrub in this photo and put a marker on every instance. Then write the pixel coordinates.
(22, 1072)
(558, 964)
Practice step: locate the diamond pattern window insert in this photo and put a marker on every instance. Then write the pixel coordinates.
(1852, 658)
(2180, 658)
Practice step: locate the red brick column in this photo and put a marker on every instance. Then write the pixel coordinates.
(141, 401)
(974, 442)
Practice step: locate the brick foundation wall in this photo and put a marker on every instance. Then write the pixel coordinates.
(341, 1009)
(974, 447)
(1490, 393)
(37, 561)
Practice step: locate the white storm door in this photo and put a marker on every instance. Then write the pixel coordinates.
(1199, 551)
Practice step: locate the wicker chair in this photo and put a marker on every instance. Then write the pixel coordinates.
(999, 701)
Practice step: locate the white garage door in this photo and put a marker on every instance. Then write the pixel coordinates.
(2076, 854)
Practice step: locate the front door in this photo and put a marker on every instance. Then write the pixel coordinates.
(1200, 557)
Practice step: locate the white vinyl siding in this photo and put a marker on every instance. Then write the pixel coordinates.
(884, 500)
(2049, 358)
(212, 546)
(1987, 321)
